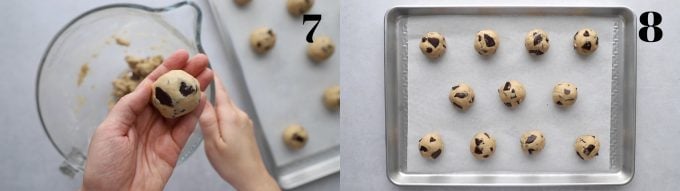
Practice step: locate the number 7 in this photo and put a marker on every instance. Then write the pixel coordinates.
(316, 18)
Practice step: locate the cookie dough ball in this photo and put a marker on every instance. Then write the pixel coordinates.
(241, 2)
(331, 97)
(512, 93)
(176, 93)
(537, 42)
(322, 48)
(462, 96)
(532, 142)
(482, 145)
(298, 7)
(586, 41)
(565, 94)
(433, 45)
(587, 147)
(262, 40)
(295, 136)
(431, 146)
(487, 42)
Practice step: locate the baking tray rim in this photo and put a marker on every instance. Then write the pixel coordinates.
(396, 176)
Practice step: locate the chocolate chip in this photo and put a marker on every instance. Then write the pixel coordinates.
(428, 50)
(486, 156)
(567, 92)
(558, 103)
(433, 41)
(472, 100)
(436, 154)
(478, 150)
(531, 151)
(512, 91)
(420, 139)
(270, 32)
(537, 52)
(593, 136)
(579, 156)
(586, 46)
(454, 87)
(530, 139)
(298, 138)
(588, 149)
(478, 141)
(517, 102)
(575, 35)
(424, 39)
(507, 86)
(186, 90)
(460, 95)
(508, 104)
(432, 139)
(163, 97)
(491, 149)
(479, 38)
(586, 33)
(487, 135)
(537, 40)
(423, 149)
(597, 40)
(258, 44)
(489, 41)
(458, 106)
(534, 34)
(444, 45)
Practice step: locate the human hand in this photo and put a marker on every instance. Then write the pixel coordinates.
(230, 144)
(135, 148)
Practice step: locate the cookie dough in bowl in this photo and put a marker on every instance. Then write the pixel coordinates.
(482, 145)
(433, 45)
(431, 146)
(176, 93)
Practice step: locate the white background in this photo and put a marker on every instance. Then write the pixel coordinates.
(28, 161)
(363, 109)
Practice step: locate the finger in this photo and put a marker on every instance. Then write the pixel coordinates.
(130, 106)
(196, 64)
(209, 123)
(222, 96)
(205, 78)
(176, 61)
(187, 123)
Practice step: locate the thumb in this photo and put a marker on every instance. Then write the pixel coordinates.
(209, 124)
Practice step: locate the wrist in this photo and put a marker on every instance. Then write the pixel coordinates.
(259, 181)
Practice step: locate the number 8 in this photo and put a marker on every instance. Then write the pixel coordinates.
(656, 20)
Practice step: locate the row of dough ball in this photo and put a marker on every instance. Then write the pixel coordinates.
(536, 42)
(295, 7)
(263, 39)
(512, 93)
(295, 136)
(482, 145)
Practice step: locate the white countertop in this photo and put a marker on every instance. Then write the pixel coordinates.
(29, 161)
(363, 105)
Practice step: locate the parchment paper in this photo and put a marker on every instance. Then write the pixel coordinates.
(429, 83)
(285, 86)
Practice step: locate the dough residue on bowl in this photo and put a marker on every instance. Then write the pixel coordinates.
(122, 41)
(84, 69)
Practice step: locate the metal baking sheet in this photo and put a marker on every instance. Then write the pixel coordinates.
(417, 96)
(285, 85)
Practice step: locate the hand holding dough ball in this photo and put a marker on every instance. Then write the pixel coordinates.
(586, 41)
(587, 147)
(482, 145)
(487, 42)
(431, 146)
(298, 7)
(295, 136)
(175, 94)
(512, 93)
(532, 142)
(322, 48)
(565, 94)
(241, 2)
(262, 40)
(433, 45)
(537, 42)
(331, 97)
(462, 96)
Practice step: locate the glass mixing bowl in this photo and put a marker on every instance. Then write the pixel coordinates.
(74, 85)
